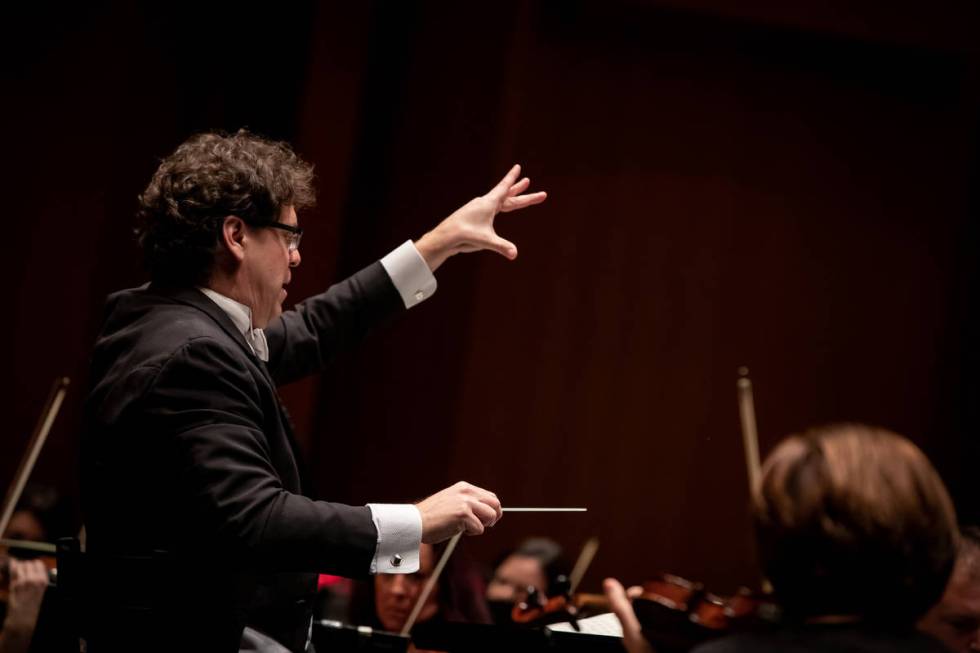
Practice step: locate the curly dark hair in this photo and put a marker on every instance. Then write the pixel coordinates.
(209, 177)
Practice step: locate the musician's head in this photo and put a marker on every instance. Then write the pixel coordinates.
(536, 563)
(219, 212)
(41, 515)
(853, 521)
(386, 601)
(396, 594)
(955, 620)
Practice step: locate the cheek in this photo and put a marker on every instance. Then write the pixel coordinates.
(381, 604)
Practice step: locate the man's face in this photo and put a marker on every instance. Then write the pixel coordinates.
(955, 620)
(266, 269)
(395, 594)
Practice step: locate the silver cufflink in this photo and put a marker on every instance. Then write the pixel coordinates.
(419, 296)
(396, 560)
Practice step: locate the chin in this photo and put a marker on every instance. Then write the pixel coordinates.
(390, 624)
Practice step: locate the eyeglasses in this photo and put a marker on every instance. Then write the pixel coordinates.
(294, 234)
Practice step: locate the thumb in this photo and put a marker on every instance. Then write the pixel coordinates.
(502, 246)
(621, 606)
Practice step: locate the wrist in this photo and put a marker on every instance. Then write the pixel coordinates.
(434, 249)
(15, 629)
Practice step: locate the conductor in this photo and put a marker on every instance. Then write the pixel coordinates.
(192, 495)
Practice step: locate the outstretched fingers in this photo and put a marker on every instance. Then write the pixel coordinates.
(514, 200)
(500, 191)
(519, 187)
(523, 201)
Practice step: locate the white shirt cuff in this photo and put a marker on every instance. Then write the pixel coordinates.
(399, 537)
(410, 274)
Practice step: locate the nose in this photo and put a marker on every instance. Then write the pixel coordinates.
(294, 258)
(398, 585)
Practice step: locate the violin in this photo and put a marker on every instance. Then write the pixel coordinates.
(580, 604)
(563, 604)
(536, 610)
(539, 610)
(676, 614)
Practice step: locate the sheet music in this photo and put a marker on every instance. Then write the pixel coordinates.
(602, 624)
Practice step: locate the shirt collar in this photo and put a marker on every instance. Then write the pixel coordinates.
(241, 316)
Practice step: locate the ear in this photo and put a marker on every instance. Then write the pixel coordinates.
(233, 236)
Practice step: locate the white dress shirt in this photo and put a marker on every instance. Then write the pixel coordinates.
(399, 525)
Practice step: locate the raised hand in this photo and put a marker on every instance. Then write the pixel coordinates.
(470, 228)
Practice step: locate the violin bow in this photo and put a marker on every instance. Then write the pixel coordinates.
(28, 545)
(429, 584)
(750, 436)
(37, 441)
(585, 558)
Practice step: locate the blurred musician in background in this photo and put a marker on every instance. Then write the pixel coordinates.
(188, 457)
(858, 536)
(396, 594)
(388, 601)
(535, 563)
(40, 516)
(955, 620)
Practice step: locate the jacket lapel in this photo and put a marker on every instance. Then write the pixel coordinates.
(194, 297)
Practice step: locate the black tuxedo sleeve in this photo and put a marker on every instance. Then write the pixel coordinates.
(210, 425)
(303, 340)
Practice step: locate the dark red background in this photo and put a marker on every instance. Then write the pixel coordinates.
(788, 188)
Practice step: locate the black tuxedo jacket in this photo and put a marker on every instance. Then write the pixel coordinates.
(188, 458)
